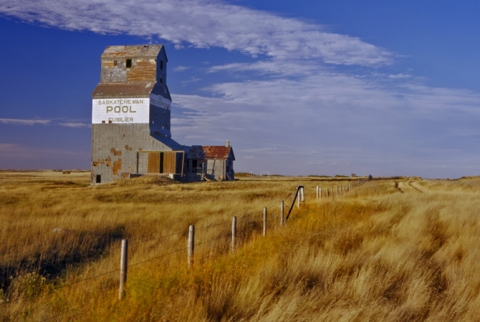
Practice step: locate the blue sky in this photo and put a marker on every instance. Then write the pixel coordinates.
(298, 87)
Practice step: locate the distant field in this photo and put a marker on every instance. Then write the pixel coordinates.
(389, 250)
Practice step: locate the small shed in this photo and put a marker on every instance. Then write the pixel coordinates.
(218, 162)
(210, 162)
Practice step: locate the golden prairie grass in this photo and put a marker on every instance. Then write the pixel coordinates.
(391, 250)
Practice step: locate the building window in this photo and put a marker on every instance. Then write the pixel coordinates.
(98, 178)
(129, 63)
(161, 65)
(161, 80)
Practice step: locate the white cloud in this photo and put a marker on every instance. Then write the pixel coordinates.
(335, 123)
(191, 80)
(202, 24)
(273, 67)
(305, 114)
(180, 68)
(399, 76)
(23, 122)
(75, 125)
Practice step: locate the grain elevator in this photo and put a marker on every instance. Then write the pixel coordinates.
(131, 121)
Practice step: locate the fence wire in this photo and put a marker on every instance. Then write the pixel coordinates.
(158, 257)
(145, 240)
(248, 219)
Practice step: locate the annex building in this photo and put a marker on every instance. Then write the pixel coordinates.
(131, 120)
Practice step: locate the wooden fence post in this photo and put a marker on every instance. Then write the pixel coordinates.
(191, 245)
(123, 268)
(264, 221)
(234, 232)
(326, 193)
(298, 197)
(318, 193)
(302, 193)
(282, 214)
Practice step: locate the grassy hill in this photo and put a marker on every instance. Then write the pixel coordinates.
(398, 249)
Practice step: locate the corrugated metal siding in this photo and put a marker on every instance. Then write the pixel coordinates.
(216, 152)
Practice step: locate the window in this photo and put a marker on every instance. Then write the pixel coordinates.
(161, 65)
(129, 63)
(98, 178)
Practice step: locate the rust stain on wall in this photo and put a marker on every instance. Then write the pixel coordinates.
(117, 166)
(116, 153)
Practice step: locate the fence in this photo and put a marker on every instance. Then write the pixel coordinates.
(233, 244)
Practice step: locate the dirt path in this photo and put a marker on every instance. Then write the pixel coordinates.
(412, 184)
(407, 187)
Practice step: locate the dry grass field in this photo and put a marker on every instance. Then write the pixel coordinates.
(389, 250)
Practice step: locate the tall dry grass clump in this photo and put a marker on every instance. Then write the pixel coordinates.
(390, 250)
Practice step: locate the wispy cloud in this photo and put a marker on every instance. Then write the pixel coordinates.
(203, 24)
(312, 109)
(191, 80)
(75, 125)
(24, 122)
(399, 76)
(272, 67)
(338, 121)
(180, 68)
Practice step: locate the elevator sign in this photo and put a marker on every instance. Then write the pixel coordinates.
(121, 110)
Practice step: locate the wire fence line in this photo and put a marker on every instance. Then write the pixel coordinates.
(157, 257)
(146, 240)
(249, 219)
(213, 225)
